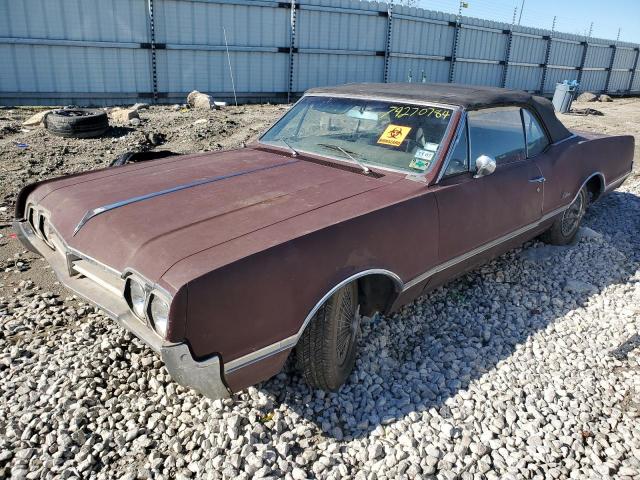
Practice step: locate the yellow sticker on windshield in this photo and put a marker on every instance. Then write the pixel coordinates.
(394, 135)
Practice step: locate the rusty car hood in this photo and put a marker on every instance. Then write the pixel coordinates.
(149, 216)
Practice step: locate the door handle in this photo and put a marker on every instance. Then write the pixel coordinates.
(539, 179)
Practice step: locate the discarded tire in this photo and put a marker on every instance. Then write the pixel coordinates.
(77, 123)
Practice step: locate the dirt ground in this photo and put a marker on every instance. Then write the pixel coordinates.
(30, 154)
(621, 117)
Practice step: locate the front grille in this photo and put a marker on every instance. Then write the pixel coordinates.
(101, 281)
(98, 274)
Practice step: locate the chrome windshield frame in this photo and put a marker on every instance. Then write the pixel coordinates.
(461, 130)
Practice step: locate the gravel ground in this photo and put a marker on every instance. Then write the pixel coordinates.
(526, 368)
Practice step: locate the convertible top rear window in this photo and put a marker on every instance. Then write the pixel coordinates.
(397, 136)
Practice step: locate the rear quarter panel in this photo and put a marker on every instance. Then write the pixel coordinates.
(611, 155)
(568, 164)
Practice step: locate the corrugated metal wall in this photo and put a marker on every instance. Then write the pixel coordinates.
(121, 51)
(67, 51)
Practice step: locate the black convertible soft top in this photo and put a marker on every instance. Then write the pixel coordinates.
(468, 96)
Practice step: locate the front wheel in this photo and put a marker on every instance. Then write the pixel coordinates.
(326, 352)
(564, 228)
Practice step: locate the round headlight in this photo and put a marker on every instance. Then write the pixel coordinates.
(137, 298)
(159, 312)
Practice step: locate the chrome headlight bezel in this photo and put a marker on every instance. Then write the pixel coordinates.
(39, 222)
(32, 218)
(153, 315)
(46, 230)
(158, 313)
(135, 293)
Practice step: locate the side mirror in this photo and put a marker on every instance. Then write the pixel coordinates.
(485, 165)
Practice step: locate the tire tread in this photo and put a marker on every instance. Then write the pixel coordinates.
(93, 125)
(314, 352)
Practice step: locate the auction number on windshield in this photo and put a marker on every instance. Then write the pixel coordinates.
(408, 111)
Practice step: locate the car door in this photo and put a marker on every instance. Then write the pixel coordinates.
(552, 166)
(478, 211)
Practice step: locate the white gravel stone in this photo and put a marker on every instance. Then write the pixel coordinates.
(298, 474)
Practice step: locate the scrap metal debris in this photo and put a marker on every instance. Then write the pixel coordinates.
(585, 111)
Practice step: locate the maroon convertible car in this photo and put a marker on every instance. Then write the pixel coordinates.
(359, 199)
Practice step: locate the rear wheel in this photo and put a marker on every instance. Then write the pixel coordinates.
(564, 228)
(326, 352)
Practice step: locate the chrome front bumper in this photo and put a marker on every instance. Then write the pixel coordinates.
(103, 288)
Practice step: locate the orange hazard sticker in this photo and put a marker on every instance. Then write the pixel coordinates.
(394, 135)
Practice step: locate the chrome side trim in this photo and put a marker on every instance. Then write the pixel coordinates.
(291, 341)
(615, 183)
(494, 243)
(105, 208)
(259, 355)
(570, 137)
(487, 246)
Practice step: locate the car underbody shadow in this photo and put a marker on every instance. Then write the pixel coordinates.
(415, 360)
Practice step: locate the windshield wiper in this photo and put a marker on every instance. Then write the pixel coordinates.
(365, 169)
(294, 152)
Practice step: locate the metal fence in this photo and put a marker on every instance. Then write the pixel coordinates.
(121, 51)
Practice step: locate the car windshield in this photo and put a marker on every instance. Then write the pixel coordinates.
(374, 133)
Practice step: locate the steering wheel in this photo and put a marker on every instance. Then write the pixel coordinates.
(410, 144)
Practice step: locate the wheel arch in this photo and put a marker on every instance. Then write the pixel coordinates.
(595, 185)
(370, 281)
(378, 292)
(373, 278)
(595, 181)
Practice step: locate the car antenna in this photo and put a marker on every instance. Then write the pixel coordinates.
(233, 83)
(365, 169)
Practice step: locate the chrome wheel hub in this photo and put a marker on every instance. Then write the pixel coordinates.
(572, 216)
(348, 328)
